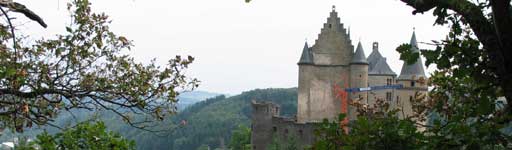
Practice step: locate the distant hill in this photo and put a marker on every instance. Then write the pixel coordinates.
(208, 122)
(65, 118)
(188, 98)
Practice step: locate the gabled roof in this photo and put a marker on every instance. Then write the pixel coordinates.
(359, 56)
(307, 56)
(415, 69)
(381, 67)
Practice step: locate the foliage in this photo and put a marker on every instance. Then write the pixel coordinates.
(25, 144)
(377, 127)
(241, 138)
(475, 56)
(283, 142)
(85, 68)
(84, 136)
(472, 71)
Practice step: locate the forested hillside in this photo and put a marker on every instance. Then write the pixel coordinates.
(210, 122)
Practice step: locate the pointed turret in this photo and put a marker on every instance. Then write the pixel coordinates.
(359, 56)
(307, 56)
(414, 70)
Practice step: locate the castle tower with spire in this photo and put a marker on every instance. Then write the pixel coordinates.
(358, 78)
(413, 79)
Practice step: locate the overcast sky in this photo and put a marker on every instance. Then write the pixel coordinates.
(242, 46)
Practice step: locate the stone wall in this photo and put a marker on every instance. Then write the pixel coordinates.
(408, 93)
(267, 125)
(317, 97)
(380, 80)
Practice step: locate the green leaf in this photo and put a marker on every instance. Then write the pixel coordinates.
(10, 72)
(69, 29)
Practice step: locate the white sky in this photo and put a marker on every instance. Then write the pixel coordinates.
(241, 46)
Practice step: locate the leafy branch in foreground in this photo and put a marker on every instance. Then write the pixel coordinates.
(85, 68)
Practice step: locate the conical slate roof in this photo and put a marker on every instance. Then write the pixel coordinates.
(307, 57)
(359, 56)
(416, 69)
(381, 67)
(374, 57)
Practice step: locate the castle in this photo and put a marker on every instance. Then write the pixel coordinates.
(330, 65)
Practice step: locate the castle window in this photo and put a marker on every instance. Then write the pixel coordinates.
(285, 131)
(330, 25)
(410, 98)
(274, 129)
(301, 132)
(412, 83)
(388, 96)
(360, 76)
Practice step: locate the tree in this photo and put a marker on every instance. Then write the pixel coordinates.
(486, 59)
(241, 138)
(474, 67)
(85, 68)
(84, 136)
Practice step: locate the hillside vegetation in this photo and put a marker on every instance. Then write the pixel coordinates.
(208, 122)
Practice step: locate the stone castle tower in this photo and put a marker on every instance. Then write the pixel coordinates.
(321, 67)
(327, 67)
